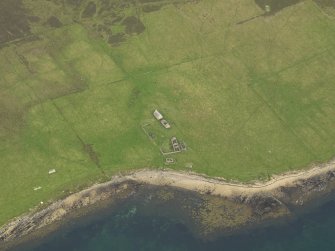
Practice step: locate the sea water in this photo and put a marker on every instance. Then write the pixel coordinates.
(126, 229)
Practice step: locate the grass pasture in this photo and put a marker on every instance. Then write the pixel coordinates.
(250, 93)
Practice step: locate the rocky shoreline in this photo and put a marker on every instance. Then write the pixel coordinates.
(207, 206)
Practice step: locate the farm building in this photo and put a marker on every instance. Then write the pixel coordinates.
(157, 115)
(165, 124)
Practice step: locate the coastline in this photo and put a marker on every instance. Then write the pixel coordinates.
(221, 187)
(246, 204)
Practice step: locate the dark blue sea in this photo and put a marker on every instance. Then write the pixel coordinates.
(125, 229)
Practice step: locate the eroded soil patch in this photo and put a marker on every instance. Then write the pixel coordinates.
(328, 6)
(54, 22)
(90, 10)
(133, 25)
(326, 3)
(117, 39)
(151, 8)
(14, 23)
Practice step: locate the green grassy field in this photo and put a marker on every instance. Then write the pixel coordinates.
(250, 97)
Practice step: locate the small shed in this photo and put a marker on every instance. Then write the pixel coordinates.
(157, 115)
(165, 124)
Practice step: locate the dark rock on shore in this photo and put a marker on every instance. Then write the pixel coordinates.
(206, 215)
